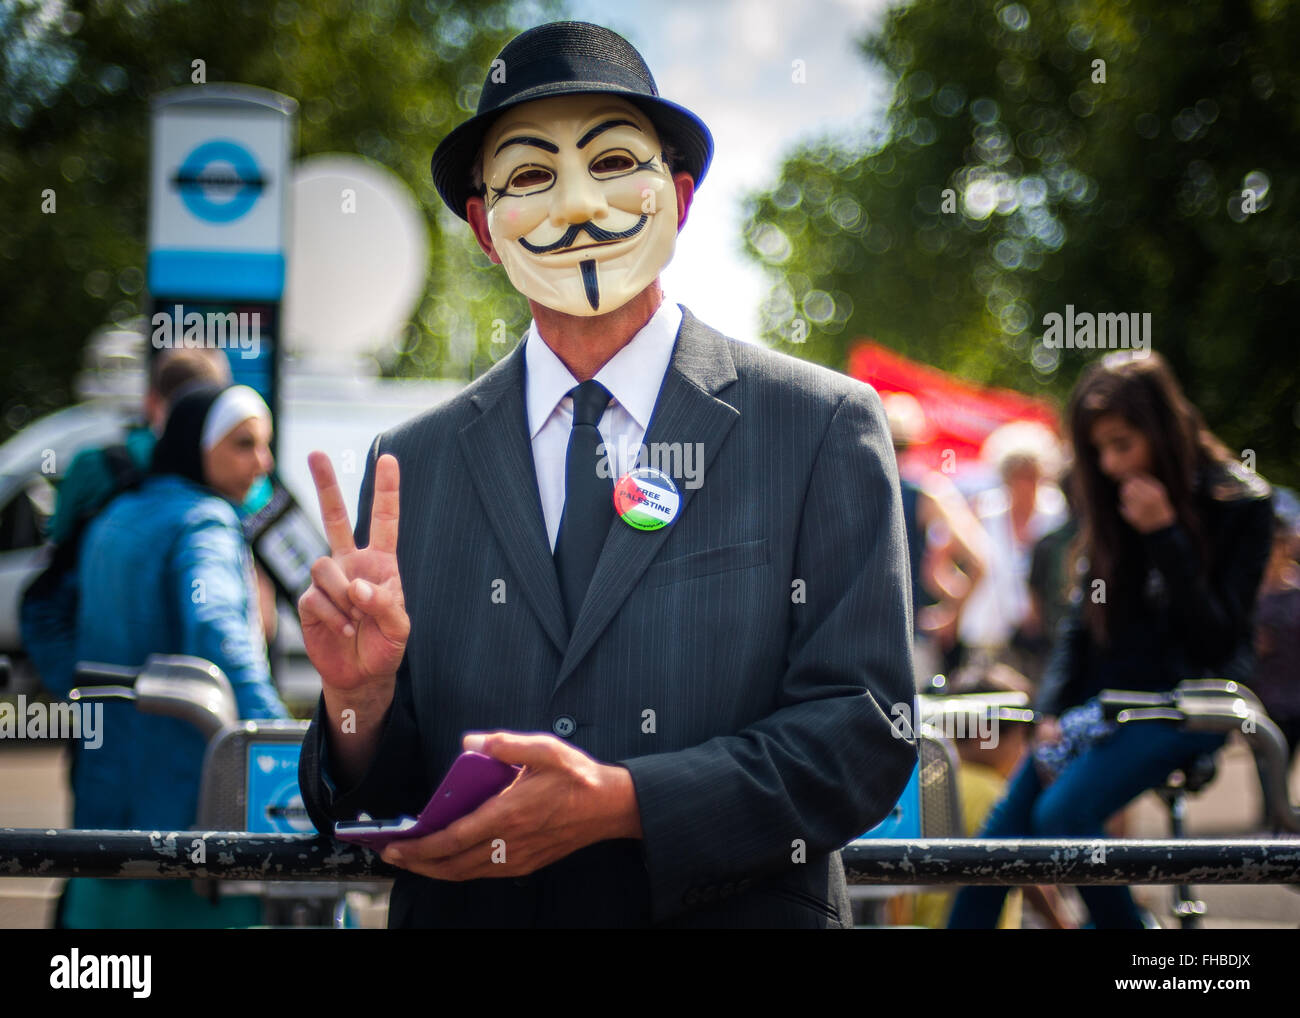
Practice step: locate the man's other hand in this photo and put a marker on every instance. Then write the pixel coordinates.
(562, 801)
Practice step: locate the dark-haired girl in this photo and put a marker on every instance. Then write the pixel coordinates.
(1174, 534)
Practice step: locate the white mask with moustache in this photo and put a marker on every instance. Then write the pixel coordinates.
(580, 206)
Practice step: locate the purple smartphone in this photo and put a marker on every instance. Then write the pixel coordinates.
(472, 780)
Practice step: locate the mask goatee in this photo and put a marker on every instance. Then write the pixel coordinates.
(590, 284)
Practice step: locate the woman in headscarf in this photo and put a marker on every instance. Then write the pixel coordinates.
(164, 569)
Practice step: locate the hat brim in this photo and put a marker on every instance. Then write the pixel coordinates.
(454, 157)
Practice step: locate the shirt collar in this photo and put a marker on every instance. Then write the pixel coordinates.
(633, 376)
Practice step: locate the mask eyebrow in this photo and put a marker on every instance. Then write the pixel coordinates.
(586, 138)
(524, 139)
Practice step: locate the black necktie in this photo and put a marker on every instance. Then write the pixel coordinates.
(588, 499)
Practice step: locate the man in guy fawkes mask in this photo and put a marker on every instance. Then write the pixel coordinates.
(705, 664)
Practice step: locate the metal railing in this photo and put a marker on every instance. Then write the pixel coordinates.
(1195, 705)
(198, 692)
(233, 855)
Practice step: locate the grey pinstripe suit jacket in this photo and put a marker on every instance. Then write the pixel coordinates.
(771, 698)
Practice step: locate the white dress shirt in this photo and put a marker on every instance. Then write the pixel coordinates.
(633, 377)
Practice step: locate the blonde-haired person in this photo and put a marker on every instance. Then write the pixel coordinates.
(996, 620)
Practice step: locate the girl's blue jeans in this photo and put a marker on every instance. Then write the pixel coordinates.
(1139, 756)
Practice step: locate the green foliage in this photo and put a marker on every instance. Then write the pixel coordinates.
(382, 78)
(1113, 186)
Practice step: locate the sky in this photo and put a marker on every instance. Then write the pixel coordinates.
(732, 63)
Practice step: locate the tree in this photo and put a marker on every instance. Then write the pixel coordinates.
(384, 79)
(1113, 156)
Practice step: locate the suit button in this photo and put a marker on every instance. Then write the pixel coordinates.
(564, 726)
(691, 897)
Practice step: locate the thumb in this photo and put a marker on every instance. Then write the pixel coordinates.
(535, 751)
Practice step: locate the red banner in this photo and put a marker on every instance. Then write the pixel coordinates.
(959, 415)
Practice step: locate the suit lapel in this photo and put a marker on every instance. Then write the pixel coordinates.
(499, 457)
(686, 412)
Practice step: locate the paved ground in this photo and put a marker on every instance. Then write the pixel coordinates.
(33, 793)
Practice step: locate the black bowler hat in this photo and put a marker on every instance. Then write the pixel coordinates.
(567, 58)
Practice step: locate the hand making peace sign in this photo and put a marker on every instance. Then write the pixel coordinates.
(354, 621)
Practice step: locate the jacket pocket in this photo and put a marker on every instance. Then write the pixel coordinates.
(708, 562)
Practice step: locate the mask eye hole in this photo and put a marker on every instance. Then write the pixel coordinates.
(613, 164)
(530, 178)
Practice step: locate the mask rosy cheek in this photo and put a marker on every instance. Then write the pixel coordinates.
(638, 193)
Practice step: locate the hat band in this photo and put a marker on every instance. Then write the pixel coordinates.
(561, 70)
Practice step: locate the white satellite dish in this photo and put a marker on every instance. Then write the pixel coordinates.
(359, 251)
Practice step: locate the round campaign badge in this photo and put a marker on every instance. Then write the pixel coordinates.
(646, 499)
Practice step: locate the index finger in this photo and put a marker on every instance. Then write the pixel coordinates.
(333, 513)
(384, 506)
